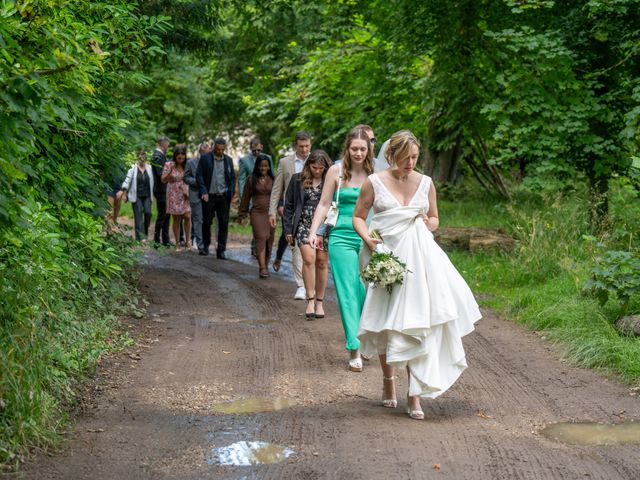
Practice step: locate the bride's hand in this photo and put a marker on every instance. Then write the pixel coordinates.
(372, 243)
(431, 223)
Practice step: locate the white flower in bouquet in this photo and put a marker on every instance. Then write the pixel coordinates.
(384, 269)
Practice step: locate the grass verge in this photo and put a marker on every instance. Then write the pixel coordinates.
(541, 283)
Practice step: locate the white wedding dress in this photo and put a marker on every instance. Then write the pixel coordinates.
(420, 324)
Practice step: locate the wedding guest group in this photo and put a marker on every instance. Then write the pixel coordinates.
(342, 215)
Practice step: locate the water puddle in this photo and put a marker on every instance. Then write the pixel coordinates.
(587, 433)
(253, 405)
(249, 453)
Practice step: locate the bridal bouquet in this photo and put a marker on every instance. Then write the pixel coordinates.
(384, 269)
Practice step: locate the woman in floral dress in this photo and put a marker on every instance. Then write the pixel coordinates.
(301, 199)
(178, 195)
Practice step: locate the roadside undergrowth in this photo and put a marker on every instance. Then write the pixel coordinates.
(542, 282)
(64, 282)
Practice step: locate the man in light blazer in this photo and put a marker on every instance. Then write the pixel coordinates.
(286, 168)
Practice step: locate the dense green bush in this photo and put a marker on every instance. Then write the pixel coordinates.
(63, 284)
(65, 123)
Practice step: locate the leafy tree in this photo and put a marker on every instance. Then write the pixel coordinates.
(569, 73)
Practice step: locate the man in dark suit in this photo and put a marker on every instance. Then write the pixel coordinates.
(160, 192)
(216, 182)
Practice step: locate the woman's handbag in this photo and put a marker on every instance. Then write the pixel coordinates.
(332, 214)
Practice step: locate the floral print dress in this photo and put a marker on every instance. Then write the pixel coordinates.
(311, 199)
(177, 191)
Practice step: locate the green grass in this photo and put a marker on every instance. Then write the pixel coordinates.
(540, 283)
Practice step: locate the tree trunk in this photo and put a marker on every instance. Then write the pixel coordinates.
(443, 166)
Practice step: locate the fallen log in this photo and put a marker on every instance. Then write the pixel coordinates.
(474, 239)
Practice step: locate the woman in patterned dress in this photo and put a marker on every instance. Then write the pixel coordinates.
(178, 195)
(301, 199)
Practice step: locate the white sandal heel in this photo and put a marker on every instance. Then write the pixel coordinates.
(388, 402)
(414, 414)
(355, 365)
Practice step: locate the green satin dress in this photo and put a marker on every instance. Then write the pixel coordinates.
(344, 247)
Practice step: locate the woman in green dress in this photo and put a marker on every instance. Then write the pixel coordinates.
(342, 185)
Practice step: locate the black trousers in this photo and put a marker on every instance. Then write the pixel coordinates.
(142, 216)
(282, 244)
(162, 220)
(217, 206)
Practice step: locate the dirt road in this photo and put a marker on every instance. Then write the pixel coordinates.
(215, 333)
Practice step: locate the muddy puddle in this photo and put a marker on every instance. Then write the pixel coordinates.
(586, 433)
(253, 405)
(249, 453)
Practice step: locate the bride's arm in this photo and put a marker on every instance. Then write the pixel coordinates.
(360, 213)
(431, 219)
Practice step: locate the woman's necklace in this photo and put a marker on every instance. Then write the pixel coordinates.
(399, 177)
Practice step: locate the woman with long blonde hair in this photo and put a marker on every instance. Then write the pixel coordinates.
(342, 185)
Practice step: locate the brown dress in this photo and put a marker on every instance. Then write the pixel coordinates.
(259, 195)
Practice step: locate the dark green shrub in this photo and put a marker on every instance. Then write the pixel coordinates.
(617, 274)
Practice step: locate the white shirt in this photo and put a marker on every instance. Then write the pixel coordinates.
(298, 164)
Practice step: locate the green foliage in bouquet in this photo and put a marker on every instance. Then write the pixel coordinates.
(384, 269)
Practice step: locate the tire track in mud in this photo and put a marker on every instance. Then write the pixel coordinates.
(217, 333)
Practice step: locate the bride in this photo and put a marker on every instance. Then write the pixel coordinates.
(420, 324)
